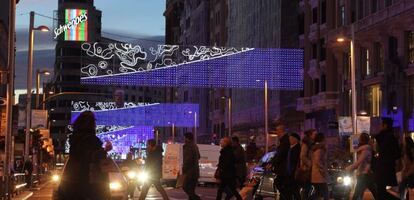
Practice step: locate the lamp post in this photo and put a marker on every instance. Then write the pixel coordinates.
(229, 108)
(29, 80)
(353, 81)
(266, 116)
(38, 73)
(195, 125)
(172, 131)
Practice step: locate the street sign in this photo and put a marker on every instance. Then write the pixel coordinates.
(39, 118)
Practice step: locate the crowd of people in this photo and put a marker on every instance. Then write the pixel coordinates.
(300, 165)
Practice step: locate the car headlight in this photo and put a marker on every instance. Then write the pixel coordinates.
(347, 180)
(143, 177)
(55, 178)
(131, 174)
(115, 186)
(340, 180)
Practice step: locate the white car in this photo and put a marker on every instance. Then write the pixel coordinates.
(118, 185)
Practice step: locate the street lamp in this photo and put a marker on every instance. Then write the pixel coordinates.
(29, 79)
(195, 125)
(38, 73)
(353, 81)
(229, 112)
(266, 110)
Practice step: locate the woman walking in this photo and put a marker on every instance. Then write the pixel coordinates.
(306, 162)
(319, 168)
(365, 178)
(226, 171)
(407, 173)
(83, 179)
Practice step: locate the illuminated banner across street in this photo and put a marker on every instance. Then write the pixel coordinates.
(156, 114)
(191, 66)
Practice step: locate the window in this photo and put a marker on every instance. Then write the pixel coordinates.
(322, 49)
(323, 12)
(342, 15)
(374, 6)
(185, 96)
(323, 83)
(393, 48)
(365, 61)
(315, 15)
(316, 86)
(361, 9)
(346, 63)
(379, 56)
(374, 97)
(314, 51)
(388, 3)
(411, 47)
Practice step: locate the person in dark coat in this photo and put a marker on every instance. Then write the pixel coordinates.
(83, 178)
(227, 171)
(251, 150)
(292, 164)
(191, 169)
(28, 171)
(388, 154)
(153, 166)
(241, 168)
(279, 162)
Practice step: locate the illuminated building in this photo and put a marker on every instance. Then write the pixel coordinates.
(384, 46)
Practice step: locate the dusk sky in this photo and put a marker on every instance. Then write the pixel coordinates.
(133, 18)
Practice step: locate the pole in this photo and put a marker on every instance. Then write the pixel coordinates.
(230, 117)
(353, 85)
(10, 95)
(37, 87)
(173, 134)
(29, 87)
(156, 136)
(195, 127)
(266, 117)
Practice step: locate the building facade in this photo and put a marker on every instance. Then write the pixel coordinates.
(384, 46)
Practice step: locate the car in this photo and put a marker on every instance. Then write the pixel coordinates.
(118, 184)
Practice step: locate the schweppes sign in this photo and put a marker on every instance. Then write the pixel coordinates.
(75, 27)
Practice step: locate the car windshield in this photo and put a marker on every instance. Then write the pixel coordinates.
(267, 157)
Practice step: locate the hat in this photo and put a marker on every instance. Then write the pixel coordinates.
(295, 135)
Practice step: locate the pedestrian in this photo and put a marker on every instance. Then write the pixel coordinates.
(319, 173)
(153, 166)
(251, 150)
(83, 177)
(191, 169)
(306, 162)
(407, 173)
(241, 168)
(388, 154)
(226, 171)
(293, 157)
(365, 178)
(28, 171)
(279, 161)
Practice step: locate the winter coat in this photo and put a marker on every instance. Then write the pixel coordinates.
(319, 164)
(279, 162)
(85, 152)
(388, 153)
(408, 167)
(191, 155)
(293, 159)
(153, 164)
(363, 164)
(240, 159)
(306, 156)
(226, 165)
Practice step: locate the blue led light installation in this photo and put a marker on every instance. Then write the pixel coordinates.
(196, 67)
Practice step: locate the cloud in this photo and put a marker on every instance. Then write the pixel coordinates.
(42, 40)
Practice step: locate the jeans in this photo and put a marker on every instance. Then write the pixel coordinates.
(306, 191)
(321, 190)
(157, 185)
(364, 181)
(404, 185)
(189, 186)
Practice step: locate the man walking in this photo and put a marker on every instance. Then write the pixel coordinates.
(279, 162)
(292, 163)
(191, 170)
(153, 166)
(388, 153)
(240, 159)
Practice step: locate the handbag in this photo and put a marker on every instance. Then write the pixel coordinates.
(180, 181)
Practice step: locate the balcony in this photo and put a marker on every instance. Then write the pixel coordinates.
(304, 104)
(325, 100)
(314, 70)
